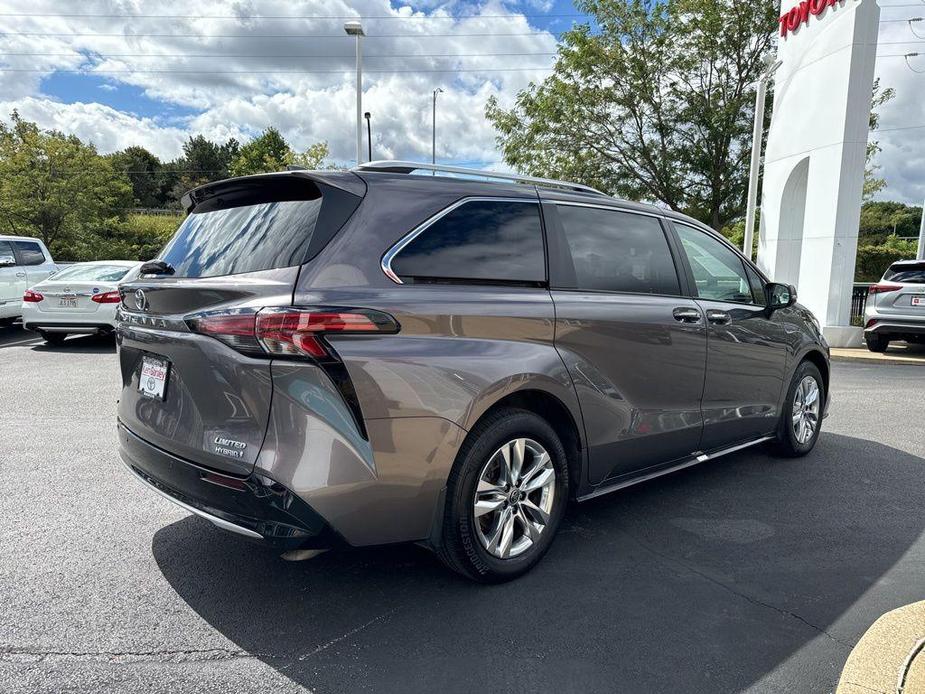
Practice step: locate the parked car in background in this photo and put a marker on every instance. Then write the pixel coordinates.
(24, 261)
(322, 359)
(895, 307)
(80, 299)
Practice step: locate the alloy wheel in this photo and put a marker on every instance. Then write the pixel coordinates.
(805, 410)
(514, 498)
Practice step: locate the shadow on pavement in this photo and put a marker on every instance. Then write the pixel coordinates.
(14, 334)
(82, 344)
(702, 581)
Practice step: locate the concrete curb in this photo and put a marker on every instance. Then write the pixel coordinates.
(890, 657)
(864, 355)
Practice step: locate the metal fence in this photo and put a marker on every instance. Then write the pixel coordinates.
(859, 300)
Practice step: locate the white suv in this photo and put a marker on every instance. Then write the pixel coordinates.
(896, 306)
(24, 262)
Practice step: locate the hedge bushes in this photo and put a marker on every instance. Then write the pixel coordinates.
(873, 260)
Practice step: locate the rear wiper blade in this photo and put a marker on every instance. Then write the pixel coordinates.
(156, 267)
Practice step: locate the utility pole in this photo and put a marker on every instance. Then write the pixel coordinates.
(355, 28)
(369, 135)
(920, 253)
(757, 132)
(433, 139)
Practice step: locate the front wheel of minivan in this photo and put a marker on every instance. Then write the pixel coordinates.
(506, 496)
(801, 418)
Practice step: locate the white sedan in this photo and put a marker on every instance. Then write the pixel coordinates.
(80, 299)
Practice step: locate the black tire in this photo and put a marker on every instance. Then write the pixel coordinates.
(877, 343)
(786, 443)
(460, 547)
(54, 338)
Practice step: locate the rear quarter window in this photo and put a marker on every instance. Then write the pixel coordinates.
(482, 241)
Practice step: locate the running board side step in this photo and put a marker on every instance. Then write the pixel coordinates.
(695, 459)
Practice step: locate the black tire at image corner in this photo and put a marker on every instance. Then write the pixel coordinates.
(460, 548)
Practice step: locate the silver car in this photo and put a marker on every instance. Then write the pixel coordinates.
(896, 306)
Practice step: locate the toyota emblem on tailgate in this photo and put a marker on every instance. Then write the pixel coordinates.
(141, 301)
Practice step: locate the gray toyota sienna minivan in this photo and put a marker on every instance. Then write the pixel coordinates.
(322, 359)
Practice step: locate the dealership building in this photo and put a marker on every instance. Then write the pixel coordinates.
(815, 155)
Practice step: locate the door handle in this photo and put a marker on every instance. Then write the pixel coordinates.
(20, 274)
(686, 315)
(718, 317)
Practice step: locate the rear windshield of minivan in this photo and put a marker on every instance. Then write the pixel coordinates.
(247, 238)
(912, 274)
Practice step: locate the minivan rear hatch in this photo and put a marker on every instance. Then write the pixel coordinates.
(205, 397)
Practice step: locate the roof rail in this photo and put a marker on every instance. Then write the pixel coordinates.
(410, 166)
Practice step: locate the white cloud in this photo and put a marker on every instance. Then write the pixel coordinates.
(297, 76)
(105, 127)
(902, 160)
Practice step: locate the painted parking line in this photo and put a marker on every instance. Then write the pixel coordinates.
(19, 342)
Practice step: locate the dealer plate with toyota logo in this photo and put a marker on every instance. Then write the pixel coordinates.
(152, 382)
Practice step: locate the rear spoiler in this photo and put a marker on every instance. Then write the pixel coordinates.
(342, 181)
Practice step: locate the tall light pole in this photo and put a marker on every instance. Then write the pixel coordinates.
(757, 132)
(369, 135)
(920, 252)
(433, 139)
(355, 28)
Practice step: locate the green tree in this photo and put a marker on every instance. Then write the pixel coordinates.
(266, 153)
(144, 172)
(883, 218)
(203, 161)
(873, 260)
(656, 105)
(873, 183)
(58, 188)
(314, 158)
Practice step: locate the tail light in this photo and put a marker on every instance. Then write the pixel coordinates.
(290, 332)
(32, 297)
(297, 333)
(880, 288)
(107, 298)
(871, 323)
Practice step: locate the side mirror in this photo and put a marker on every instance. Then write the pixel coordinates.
(780, 295)
(7, 260)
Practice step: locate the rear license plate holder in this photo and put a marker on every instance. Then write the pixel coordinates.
(152, 380)
(919, 300)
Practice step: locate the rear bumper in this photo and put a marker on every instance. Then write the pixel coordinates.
(892, 326)
(70, 328)
(254, 506)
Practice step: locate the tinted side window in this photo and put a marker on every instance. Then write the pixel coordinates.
(6, 250)
(481, 240)
(30, 252)
(618, 251)
(718, 271)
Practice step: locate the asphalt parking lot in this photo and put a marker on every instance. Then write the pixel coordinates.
(745, 574)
